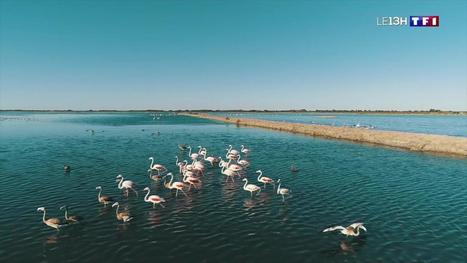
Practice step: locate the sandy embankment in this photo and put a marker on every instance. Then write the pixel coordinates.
(405, 140)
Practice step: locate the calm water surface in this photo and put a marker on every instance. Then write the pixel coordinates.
(454, 125)
(414, 205)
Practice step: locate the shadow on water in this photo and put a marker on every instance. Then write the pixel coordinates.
(346, 246)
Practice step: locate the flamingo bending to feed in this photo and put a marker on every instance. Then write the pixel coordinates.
(244, 150)
(251, 187)
(70, 219)
(126, 184)
(192, 181)
(156, 167)
(52, 222)
(122, 216)
(263, 179)
(282, 191)
(154, 199)
(352, 230)
(103, 199)
(175, 185)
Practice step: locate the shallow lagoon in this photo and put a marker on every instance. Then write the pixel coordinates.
(413, 204)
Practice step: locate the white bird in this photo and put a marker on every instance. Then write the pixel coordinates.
(263, 179)
(103, 199)
(53, 221)
(244, 150)
(251, 187)
(352, 230)
(175, 185)
(156, 167)
(282, 191)
(154, 199)
(126, 184)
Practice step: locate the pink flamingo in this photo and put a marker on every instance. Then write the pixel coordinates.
(154, 199)
(244, 150)
(282, 191)
(230, 173)
(231, 151)
(251, 187)
(192, 181)
(156, 167)
(193, 156)
(126, 184)
(263, 179)
(243, 163)
(175, 185)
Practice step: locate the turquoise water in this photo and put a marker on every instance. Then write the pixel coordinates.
(414, 205)
(454, 125)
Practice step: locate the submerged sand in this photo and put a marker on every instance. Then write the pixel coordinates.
(405, 140)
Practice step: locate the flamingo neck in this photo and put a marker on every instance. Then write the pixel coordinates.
(260, 174)
(43, 216)
(120, 183)
(176, 162)
(99, 195)
(279, 188)
(116, 210)
(189, 153)
(66, 213)
(152, 162)
(147, 195)
(244, 186)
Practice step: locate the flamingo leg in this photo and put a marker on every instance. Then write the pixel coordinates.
(162, 205)
(176, 193)
(251, 193)
(184, 192)
(135, 192)
(153, 205)
(231, 177)
(283, 199)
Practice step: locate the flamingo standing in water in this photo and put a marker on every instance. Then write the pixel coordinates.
(52, 222)
(352, 230)
(175, 185)
(243, 163)
(122, 216)
(71, 219)
(193, 156)
(156, 167)
(189, 179)
(231, 151)
(244, 150)
(211, 159)
(154, 199)
(229, 173)
(263, 179)
(126, 184)
(251, 187)
(282, 191)
(103, 199)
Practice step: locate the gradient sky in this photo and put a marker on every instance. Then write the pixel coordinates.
(239, 55)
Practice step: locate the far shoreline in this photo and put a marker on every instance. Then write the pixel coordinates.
(362, 112)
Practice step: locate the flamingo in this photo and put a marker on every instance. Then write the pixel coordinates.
(71, 219)
(229, 173)
(222, 163)
(202, 150)
(232, 151)
(103, 199)
(193, 156)
(243, 163)
(127, 185)
(251, 187)
(154, 199)
(192, 181)
(175, 185)
(52, 222)
(122, 216)
(282, 191)
(244, 150)
(157, 167)
(352, 230)
(263, 179)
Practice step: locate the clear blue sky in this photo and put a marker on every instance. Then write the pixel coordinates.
(219, 55)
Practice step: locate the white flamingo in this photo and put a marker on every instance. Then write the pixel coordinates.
(192, 181)
(154, 199)
(103, 199)
(352, 230)
(193, 156)
(71, 219)
(231, 151)
(263, 179)
(282, 191)
(175, 185)
(126, 184)
(122, 216)
(251, 187)
(243, 163)
(229, 173)
(52, 222)
(156, 167)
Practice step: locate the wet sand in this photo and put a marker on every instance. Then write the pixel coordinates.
(405, 140)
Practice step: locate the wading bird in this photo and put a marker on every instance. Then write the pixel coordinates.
(282, 191)
(126, 184)
(103, 199)
(52, 222)
(159, 168)
(154, 199)
(251, 187)
(122, 216)
(244, 150)
(175, 185)
(263, 179)
(71, 219)
(352, 230)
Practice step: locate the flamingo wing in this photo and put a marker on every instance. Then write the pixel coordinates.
(333, 228)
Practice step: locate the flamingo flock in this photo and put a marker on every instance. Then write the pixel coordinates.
(191, 174)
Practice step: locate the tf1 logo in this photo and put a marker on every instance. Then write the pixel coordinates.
(413, 21)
